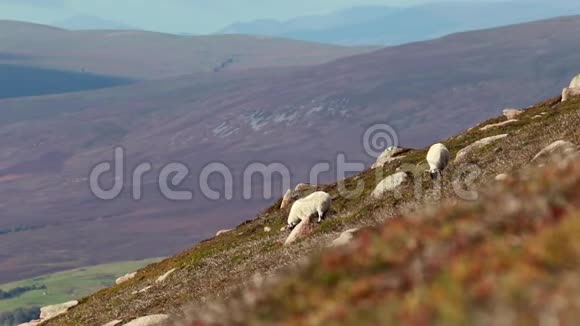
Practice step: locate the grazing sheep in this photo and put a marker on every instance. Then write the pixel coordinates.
(438, 158)
(318, 202)
(572, 90)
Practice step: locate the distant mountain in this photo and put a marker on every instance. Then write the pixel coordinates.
(392, 26)
(88, 22)
(300, 116)
(150, 55)
(352, 16)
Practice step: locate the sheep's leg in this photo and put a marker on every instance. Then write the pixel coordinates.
(320, 216)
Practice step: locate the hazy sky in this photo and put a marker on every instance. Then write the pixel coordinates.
(179, 16)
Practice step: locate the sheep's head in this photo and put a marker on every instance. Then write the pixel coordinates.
(435, 174)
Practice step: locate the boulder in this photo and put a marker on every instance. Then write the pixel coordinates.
(501, 177)
(302, 230)
(477, 145)
(345, 238)
(143, 290)
(304, 187)
(557, 147)
(390, 183)
(164, 277)
(50, 312)
(511, 114)
(287, 199)
(500, 124)
(32, 323)
(153, 320)
(125, 278)
(568, 93)
(114, 323)
(267, 229)
(388, 156)
(220, 232)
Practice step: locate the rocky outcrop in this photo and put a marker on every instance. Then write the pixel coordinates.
(32, 323)
(292, 195)
(388, 156)
(114, 323)
(220, 232)
(572, 90)
(477, 145)
(388, 184)
(304, 187)
(558, 147)
(287, 199)
(511, 114)
(345, 238)
(497, 125)
(143, 290)
(301, 231)
(501, 177)
(153, 320)
(50, 312)
(163, 277)
(125, 278)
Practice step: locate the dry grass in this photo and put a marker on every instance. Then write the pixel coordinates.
(219, 268)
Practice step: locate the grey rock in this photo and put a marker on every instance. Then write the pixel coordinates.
(511, 114)
(477, 145)
(345, 238)
(557, 147)
(50, 312)
(500, 124)
(390, 183)
(388, 156)
(300, 231)
(153, 320)
(164, 277)
(125, 278)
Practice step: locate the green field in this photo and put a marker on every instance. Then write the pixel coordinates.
(69, 285)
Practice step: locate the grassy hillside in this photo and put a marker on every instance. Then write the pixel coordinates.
(432, 258)
(69, 285)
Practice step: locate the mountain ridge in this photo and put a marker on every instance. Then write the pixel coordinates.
(395, 26)
(147, 55)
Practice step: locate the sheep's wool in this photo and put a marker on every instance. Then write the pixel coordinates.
(318, 202)
(438, 157)
(575, 83)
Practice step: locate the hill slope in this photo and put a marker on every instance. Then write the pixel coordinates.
(149, 55)
(425, 91)
(425, 262)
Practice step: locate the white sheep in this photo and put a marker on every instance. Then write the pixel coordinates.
(318, 202)
(438, 158)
